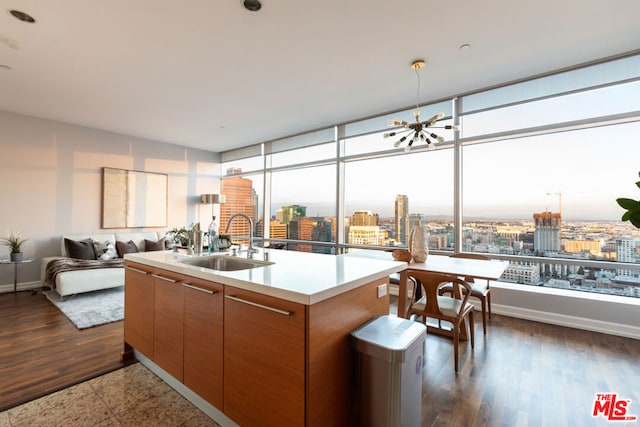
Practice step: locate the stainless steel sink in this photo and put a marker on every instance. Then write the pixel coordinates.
(225, 262)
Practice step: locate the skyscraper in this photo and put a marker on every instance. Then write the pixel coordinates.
(402, 219)
(546, 237)
(240, 198)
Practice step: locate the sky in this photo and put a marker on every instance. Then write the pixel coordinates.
(506, 179)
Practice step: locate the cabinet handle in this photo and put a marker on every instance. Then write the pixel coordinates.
(137, 270)
(255, 304)
(208, 291)
(166, 279)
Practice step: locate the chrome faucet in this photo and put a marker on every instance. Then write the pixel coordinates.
(250, 250)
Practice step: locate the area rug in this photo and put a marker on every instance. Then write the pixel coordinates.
(91, 309)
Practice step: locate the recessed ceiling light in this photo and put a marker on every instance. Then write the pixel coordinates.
(24, 17)
(252, 5)
(5, 67)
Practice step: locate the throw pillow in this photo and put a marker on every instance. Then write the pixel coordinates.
(105, 250)
(126, 248)
(150, 245)
(80, 249)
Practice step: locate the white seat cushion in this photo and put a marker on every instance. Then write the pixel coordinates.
(448, 306)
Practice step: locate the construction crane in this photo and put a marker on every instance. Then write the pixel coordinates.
(559, 194)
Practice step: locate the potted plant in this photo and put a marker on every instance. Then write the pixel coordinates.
(14, 241)
(180, 235)
(633, 209)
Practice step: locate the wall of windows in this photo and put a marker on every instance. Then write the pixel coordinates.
(540, 163)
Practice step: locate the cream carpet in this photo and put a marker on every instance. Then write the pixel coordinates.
(91, 308)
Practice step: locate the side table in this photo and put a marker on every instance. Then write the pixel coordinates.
(15, 269)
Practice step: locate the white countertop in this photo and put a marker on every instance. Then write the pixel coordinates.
(300, 277)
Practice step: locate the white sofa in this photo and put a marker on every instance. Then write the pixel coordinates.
(86, 280)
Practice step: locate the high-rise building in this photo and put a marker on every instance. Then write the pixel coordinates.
(402, 219)
(291, 212)
(546, 236)
(277, 230)
(365, 218)
(240, 198)
(300, 228)
(626, 252)
(323, 232)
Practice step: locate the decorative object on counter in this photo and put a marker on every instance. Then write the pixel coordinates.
(401, 255)
(633, 208)
(180, 235)
(213, 230)
(419, 129)
(224, 242)
(417, 244)
(198, 239)
(14, 241)
(214, 236)
(170, 242)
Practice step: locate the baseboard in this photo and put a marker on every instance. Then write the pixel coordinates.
(568, 321)
(600, 326)
(211, 411)
(24, 286)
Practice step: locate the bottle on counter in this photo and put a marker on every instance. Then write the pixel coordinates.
(214, 236)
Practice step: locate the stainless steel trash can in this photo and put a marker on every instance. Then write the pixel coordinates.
(390, 353)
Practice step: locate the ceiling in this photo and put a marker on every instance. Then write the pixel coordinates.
(211, 75)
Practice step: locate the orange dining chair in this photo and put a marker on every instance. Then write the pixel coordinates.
(453, 309)
(479, 289)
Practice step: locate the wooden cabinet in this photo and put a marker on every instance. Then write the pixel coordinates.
(176, 321)
(260, 360)
(264, 359)
(139, 308)
(203, 305)
(168, 323)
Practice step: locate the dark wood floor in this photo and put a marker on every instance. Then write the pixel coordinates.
(527, 373)
(41, 351)
(521, 374)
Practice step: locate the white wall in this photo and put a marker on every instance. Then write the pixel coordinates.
(51, 182)
(608, 314)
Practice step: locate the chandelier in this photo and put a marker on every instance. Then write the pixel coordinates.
(419, 130)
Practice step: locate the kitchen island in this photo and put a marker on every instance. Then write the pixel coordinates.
(267, 345)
